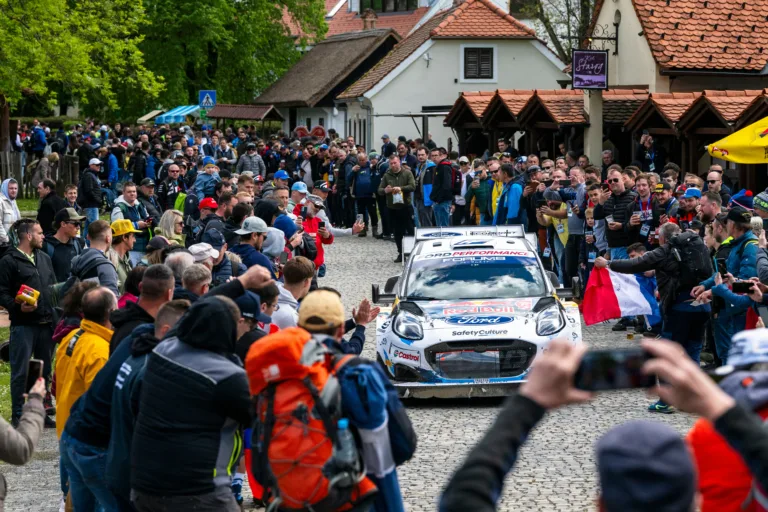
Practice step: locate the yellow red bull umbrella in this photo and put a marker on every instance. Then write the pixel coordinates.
(746, 146)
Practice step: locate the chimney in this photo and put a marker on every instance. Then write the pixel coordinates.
(369, 18)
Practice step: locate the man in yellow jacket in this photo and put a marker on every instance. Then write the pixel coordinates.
(83, 352)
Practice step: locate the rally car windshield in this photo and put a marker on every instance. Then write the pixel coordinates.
(474, 277)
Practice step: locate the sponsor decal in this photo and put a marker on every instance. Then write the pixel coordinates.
(493, 252)
(478, 320)
(389, 364)
(487, 310)
(412, 356)
(471, 242)
(481, 381)
(439, 235)
(481, 332)
(384, 325)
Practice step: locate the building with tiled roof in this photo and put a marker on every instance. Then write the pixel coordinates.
(685, 45)
(456, 50)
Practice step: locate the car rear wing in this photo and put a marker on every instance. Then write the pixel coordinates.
(422, 234)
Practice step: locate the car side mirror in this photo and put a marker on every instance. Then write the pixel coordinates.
(381, 298)
(553, 279)
(391, 283)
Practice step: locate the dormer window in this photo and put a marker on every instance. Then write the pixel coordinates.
(380, 6)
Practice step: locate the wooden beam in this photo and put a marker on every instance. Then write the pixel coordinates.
(547, 125)
(662, 131)
(712, 131)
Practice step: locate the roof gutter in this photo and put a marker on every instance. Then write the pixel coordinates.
(687, 72)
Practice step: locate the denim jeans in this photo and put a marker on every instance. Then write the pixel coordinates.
(86, 466)
(560, 258)
(91, 215)
(442, 213)
(687, 329)
(28, 341)
(486, 220)
(722, 328)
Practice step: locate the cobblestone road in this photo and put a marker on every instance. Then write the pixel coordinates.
(556, 467)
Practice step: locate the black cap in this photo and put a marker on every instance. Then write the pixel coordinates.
(147, 182)
(250, 146)
(740, 215)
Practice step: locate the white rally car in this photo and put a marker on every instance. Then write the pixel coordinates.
(472, 309)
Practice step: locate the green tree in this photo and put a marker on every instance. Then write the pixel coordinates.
(236, 47)
(86, 47)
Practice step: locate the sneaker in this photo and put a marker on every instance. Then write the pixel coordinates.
(15, 421)
(619, 326)
(362, 234)
(62, 504)
(661, 408)
(49, 422)
(399, 258)
(237, 490)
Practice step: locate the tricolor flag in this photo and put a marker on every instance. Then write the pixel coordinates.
(612, 295)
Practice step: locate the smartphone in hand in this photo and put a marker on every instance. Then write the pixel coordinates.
(621, 368)
(283, 258)
(742, 286)
(721, 268)
(34, 372)
(321, 224)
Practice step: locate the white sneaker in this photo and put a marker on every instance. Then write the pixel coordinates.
(62, 504)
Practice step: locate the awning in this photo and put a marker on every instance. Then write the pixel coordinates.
(178, 114)
(147, 117)
(245, 112)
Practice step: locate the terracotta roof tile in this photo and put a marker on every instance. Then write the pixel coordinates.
(566, 106)
(673, 105)
(730, 104)
(706, 34)
(401, 22)
(398, 54)
(620, 104)
(515, 99)
(475, 101)
(481, 19)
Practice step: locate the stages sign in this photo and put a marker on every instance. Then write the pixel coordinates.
(589, 69)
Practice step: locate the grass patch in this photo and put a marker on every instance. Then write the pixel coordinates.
(5, 379)
(27, 205)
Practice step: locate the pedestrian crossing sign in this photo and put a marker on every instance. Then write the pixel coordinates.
(207, 99)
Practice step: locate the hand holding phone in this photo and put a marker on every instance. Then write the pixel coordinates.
(321, 225)
(283, 258)
(34, 372)
(721, 268)
(742, 286)
(602, 370)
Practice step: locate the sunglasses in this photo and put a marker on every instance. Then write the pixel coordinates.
(547, 167)
(494, 172)
(73, 223)
(712, 181)
(614, 180)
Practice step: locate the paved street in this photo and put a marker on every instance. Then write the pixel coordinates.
(555, 470)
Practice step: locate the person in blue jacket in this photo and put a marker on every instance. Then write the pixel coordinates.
(365, 193)
(252, 236)
(39, 141)
(742, 265)
(511, 209)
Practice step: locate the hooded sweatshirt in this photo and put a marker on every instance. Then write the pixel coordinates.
(288, 314)
(93, 264)
(199, 428)
(9, 212)
(274, 243)
(253, 257)
(125, 320)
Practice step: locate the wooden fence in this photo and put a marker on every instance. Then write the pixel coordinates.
(66, 172)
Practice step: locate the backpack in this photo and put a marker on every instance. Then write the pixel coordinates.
(693, 259)
(294, 381)
(456, 180)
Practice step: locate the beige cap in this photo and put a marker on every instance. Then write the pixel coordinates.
(321, 310)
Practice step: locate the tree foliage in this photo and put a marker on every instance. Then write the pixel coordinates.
(236, 47)
(86, 47)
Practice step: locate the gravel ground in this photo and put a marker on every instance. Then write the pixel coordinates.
(555, 470)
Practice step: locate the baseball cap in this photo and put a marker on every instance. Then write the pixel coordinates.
(385, 136)
(64, 215)
(373, 155)
(253, 225)
(157, 243)
(521, 159)
(551, 195)
(300, 187)
(323, 186)
(321, 310)
(95, 161)
(402, 138)
(147, 182)
(208, 160)
(692, 192)
(258, 178)
(250, 146)
(533, 168)
(123, 227)
(681, 189)
(209, 203)
(739, 214)
(760, 202)
(214, 238)
(663, 186)
(203, 251)
(463, 160)
(281, 175)
(655, 454)
(250, 307)
(324, 146)
(748, 348)
(317, 201)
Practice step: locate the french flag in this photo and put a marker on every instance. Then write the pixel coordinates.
(611, 295)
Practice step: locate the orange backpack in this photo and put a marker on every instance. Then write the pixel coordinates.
(298, 402)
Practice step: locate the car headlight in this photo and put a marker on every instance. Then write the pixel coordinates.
(408, 326)
(550, 321)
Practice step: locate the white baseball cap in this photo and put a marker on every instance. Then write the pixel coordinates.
(95, 161)
(203, 251)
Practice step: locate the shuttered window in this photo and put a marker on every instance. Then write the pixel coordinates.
(478, 63)
(389, 5)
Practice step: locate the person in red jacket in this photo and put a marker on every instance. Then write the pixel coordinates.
(725, 482)
(311, 225)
